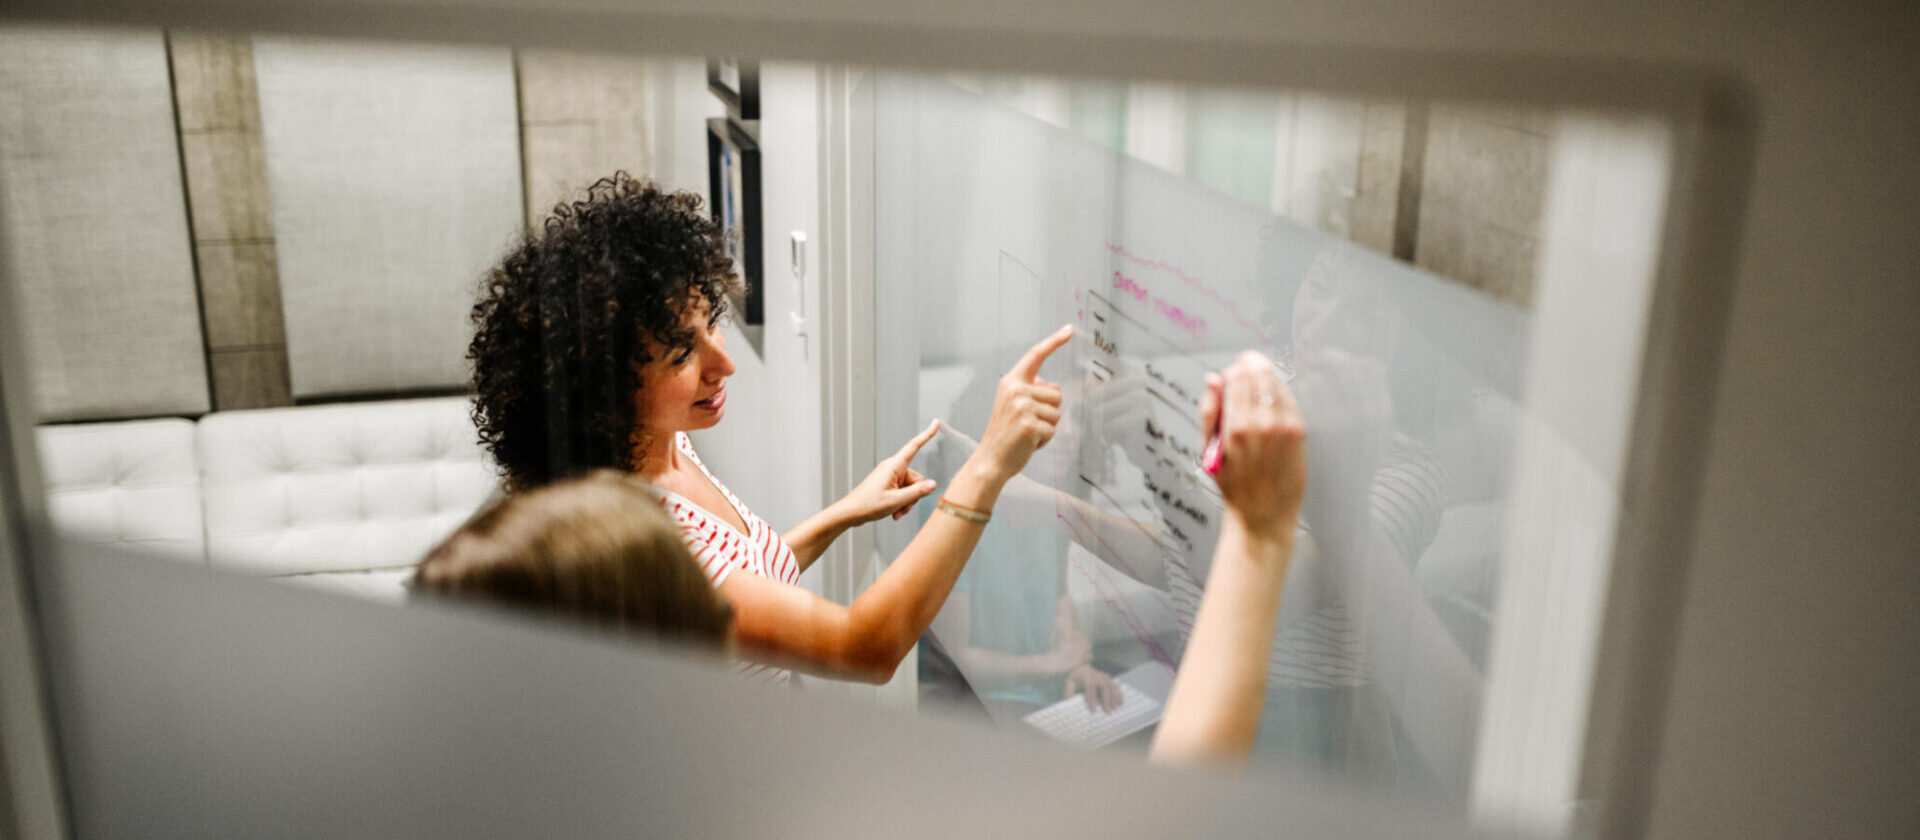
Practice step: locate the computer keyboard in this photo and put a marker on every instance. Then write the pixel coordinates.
(1069, 722)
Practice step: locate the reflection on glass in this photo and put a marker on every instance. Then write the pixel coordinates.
(1013, 208)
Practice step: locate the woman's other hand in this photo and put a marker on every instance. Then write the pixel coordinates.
(1264, 472)
(1025, 410)
(1213, 713)
(893, 487)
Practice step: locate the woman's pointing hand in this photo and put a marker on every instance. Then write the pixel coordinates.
(894, 485)
(1025, 410)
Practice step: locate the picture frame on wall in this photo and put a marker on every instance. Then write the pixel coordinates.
(736, 83)
(733, 194)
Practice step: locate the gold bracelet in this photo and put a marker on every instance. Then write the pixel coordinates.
(964, 512)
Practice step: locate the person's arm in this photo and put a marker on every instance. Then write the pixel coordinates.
(1121, 542)
(787, 625)
(815, 534)
(1213, 713)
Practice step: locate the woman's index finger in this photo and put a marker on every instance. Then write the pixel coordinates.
(912, 447)
(1029, 365)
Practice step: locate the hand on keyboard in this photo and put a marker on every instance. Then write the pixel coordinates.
(1100, 691)
(1071, 721)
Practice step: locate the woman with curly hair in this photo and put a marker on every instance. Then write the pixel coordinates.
(599, 346)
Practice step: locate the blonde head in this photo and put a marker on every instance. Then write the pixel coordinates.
(596, 548)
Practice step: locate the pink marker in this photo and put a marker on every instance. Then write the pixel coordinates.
(1214, 456)
(1211, 459)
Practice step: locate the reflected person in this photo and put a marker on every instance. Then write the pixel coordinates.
(1010, 628)
(1374, 507)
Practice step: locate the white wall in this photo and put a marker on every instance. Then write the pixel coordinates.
(767, 450)
(95, 230)
(395, 174)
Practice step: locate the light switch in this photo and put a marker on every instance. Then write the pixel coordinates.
(798, 247)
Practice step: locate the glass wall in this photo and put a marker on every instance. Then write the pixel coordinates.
(1386, 255)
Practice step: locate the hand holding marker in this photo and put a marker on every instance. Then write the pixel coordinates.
(1214, 455)
(1250, 411)
(1213, 712)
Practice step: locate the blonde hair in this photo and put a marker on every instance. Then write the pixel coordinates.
(596, 548)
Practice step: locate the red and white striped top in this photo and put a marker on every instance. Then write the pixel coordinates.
(720, 548)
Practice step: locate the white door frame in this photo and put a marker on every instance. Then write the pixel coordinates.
(846, 332)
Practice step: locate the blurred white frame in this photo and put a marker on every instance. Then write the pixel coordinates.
(1603, 752)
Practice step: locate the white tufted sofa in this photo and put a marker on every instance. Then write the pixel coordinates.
(129, 484)
(345, 496)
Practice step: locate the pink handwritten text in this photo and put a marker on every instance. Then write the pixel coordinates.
(1232, 310)
(1194, 325)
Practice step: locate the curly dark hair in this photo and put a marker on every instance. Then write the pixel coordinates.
(563, 322)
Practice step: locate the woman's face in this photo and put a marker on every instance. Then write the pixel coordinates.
(683, 390)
